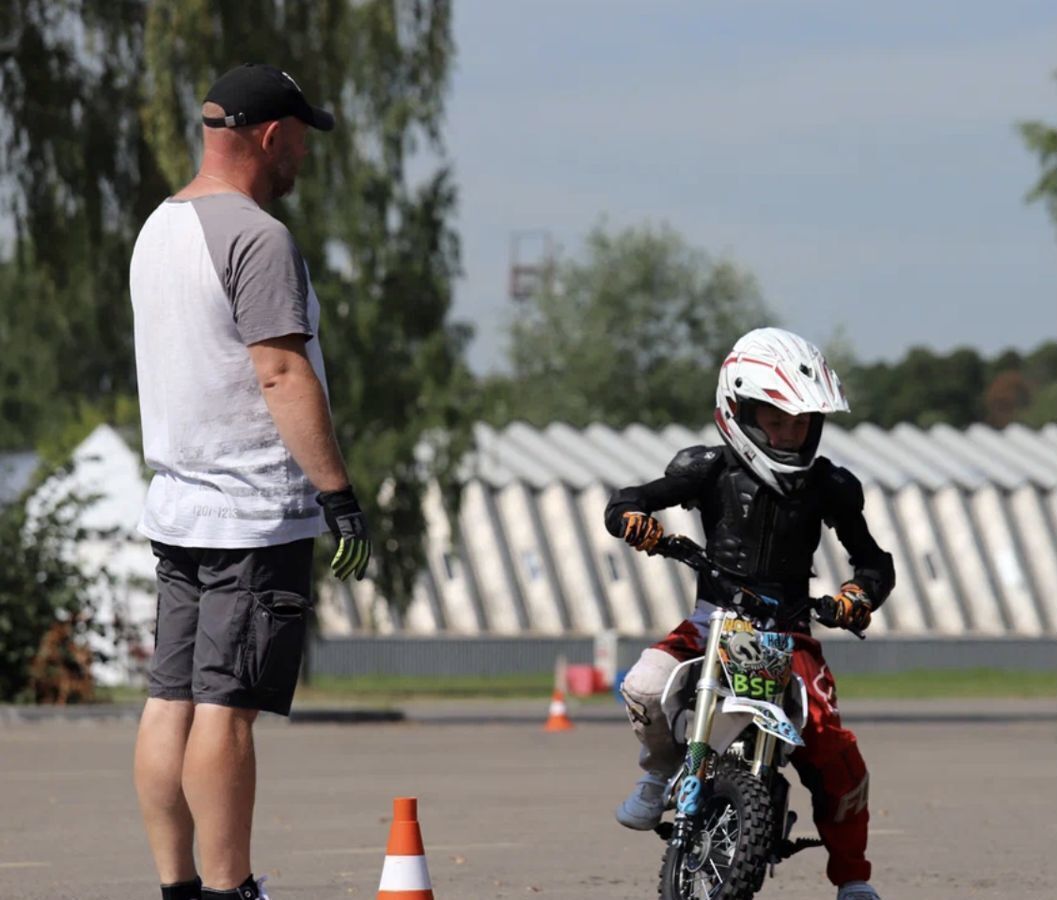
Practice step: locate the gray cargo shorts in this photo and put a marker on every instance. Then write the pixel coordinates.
(231, 624)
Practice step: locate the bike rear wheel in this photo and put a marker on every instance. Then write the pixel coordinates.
(727, 851)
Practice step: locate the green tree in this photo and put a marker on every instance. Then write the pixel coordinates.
(1042, 410)
(77, 179)
(633, 332)
(1041, 363)
(1007, 396)
(923, 388)
(1041, 139)
(1040, 371)
(378, 241)
(100, 121)
(29, 376)
(958, 388)
(41, 587)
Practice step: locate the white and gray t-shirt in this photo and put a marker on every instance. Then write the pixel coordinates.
(210, 276)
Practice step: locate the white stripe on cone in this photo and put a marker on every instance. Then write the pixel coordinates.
(557, 708)
(405, 873)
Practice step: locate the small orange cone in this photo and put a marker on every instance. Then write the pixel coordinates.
(405, 875)
(558, 717)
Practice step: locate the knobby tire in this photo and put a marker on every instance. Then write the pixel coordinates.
(756, 829)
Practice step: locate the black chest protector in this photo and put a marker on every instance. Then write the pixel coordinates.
(753, 532)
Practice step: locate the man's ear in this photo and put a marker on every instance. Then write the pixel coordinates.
(270, 135)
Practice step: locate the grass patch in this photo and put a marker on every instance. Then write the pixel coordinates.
(119, 693)
(953, 683)
(402, 687)
(912, 684)
(385, 689)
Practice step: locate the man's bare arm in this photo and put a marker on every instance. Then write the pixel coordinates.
(298, 405)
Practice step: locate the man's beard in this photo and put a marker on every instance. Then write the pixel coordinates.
(283, 177)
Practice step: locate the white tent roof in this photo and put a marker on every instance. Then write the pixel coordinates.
(108, 476)
(906, 454)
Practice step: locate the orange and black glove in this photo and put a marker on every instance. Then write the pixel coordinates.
(850, 609)
(641, 531)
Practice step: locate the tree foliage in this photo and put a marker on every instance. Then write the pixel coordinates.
(958, 388)
(924, 388)
(634, 331)
(380, 246)
(1041, 139)
(101, 120)
(46, 603)
(77, 180)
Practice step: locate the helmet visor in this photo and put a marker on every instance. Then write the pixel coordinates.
(799, 457)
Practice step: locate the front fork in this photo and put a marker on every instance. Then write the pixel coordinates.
(699, 755)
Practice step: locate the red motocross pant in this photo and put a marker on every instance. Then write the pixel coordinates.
(829, 765)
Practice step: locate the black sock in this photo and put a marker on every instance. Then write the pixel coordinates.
(182, 890)
(245, 891)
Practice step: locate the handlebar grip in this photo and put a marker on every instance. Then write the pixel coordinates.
(814, 608)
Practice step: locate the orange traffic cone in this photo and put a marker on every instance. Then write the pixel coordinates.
(405, 875)
(558, 715)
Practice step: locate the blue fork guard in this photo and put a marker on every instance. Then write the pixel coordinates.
(689, 801)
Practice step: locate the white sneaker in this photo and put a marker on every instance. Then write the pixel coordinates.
(857, 890)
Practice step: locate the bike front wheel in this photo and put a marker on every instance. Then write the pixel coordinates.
(725, 856)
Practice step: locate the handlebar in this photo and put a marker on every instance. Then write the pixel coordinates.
(683, 549)
(689, 552)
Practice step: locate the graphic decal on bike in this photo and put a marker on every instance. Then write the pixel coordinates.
(767, 717)
(754, 686)
(779, 728)
(695, 755)
(758, 664)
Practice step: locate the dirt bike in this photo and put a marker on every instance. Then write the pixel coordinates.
(739, 709)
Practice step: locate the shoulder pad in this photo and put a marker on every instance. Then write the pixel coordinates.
(699, 461)
(843, 489)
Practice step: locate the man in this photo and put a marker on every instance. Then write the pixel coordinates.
(237, 428)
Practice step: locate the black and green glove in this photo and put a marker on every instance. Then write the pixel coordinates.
(348, 524)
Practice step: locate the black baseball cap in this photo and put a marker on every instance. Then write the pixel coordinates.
(255, 93)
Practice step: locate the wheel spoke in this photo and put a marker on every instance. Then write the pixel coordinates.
(715, 871)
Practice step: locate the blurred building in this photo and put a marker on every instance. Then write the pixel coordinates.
(970, 517)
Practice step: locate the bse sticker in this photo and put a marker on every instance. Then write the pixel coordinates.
(755, 686)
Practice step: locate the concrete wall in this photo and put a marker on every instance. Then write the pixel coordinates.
(483, 656)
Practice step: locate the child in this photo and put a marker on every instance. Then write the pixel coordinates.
(763, 497)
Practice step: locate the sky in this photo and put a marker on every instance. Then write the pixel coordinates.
(861, 159)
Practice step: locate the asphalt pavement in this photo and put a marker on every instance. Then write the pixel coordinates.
(962, 806)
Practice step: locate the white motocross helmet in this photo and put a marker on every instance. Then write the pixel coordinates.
(775, 366)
